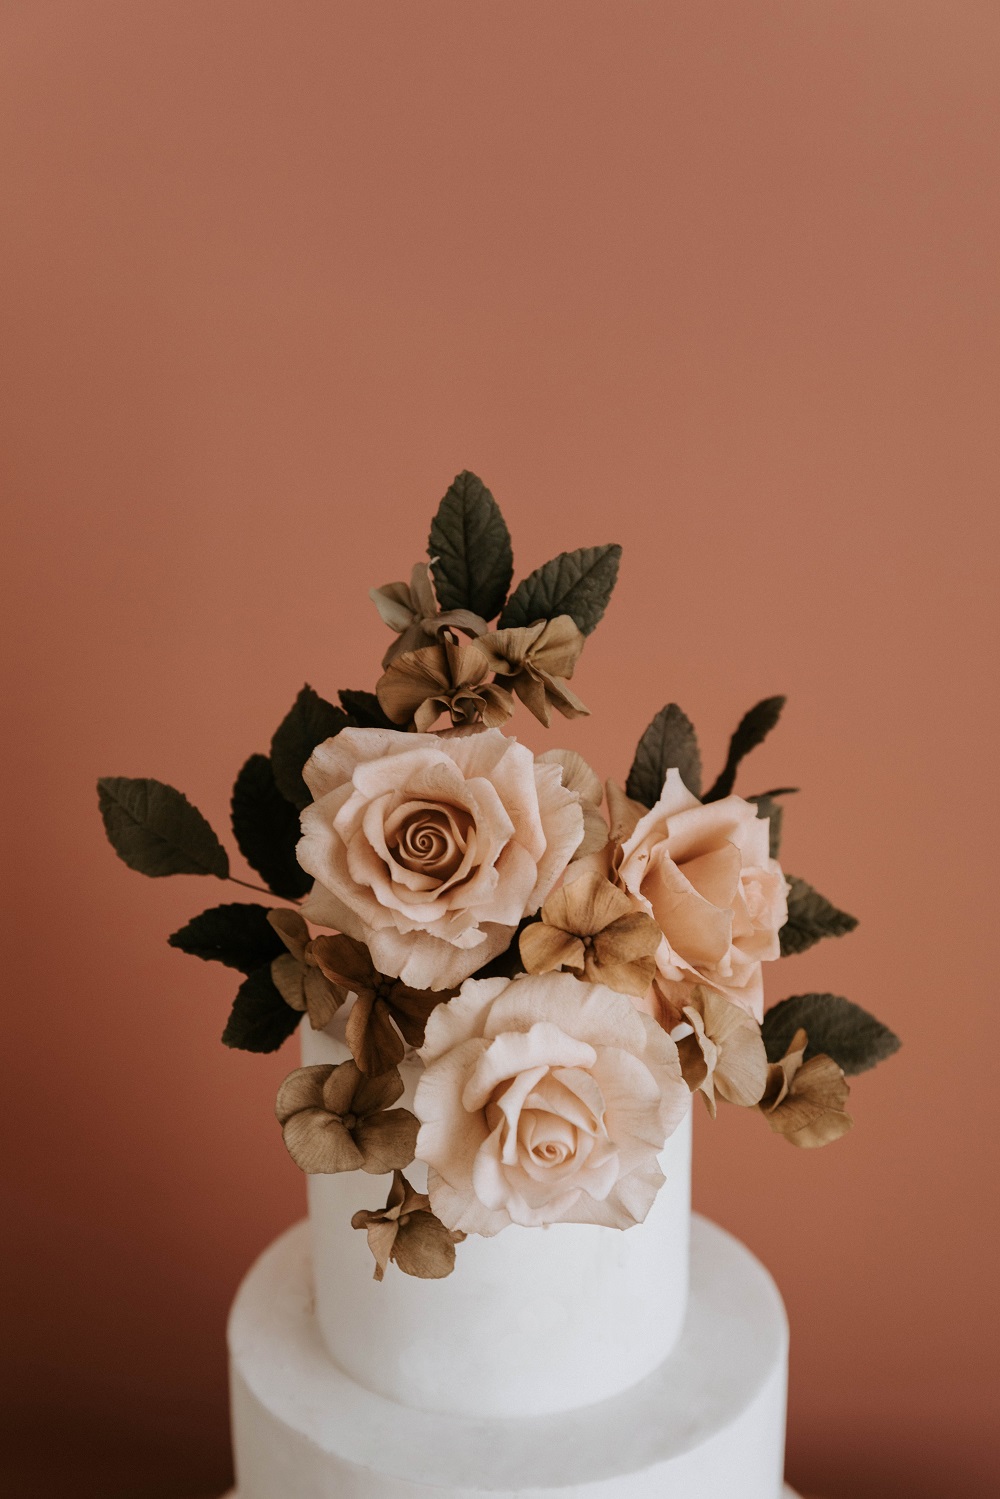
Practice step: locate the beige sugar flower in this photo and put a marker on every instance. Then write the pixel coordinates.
(418, 686)
(804, 1101)
(386, 1016)
(411, 609)
(536, 660)
(544, 1100)
(337, 1119)
(705, 873)
(723, 1052)
(431, 851)
(590, 926)
(406, 1232)
(296, 974)
(578, 777)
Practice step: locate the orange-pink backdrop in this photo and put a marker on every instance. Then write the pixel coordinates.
(714, 279)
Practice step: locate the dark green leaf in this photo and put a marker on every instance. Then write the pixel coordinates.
(836, 1028)
(309, 722)
(470, 550)
(156, 830)
(774, 812)
(669, 742)
(752, 729)
(238, 935)
(506, 964)
(366, 710)
(810, 917)
(575, 583)
(260, 1020)
(267, 829)
(768, 806)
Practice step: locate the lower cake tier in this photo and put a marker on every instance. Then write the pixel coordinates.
(707, 1424)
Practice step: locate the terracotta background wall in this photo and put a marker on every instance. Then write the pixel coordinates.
(715, 279)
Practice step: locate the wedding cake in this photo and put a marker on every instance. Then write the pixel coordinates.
(510, 981)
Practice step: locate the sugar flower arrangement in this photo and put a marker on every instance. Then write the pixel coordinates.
(562, 963)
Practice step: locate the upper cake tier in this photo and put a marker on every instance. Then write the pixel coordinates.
(538, 1320)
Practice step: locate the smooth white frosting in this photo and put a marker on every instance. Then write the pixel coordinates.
(531, 1321)
(707, 1424)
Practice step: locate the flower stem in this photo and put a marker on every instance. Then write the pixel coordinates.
(261, 888)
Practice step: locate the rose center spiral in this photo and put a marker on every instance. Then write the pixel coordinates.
(429, 840)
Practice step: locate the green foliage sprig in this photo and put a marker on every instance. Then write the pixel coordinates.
(836, 1028)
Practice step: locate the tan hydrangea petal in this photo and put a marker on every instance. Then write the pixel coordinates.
(340, 1088)
(382, 1225)
(725, 1055)
(373, 1094)
(394, 602)
(595, 832)
(532, 692)
(586, 905)
(545, 948)
(497, 705)
(411, 1009)
(382, 1235)
(741, 1070)
(387, 1140)
(804, 1102)
(345, 961)
(424, 1247)
(322, 999)
(564, 699)
(508, 650)
(558, 647)
(577, 775)
(288, 975)
(623, 813)
(448, 677)
(302, 1089)
(698, 1056)
(375, 1043)
(423, 599)
(623, 955)
(410, 679)
(291, 928)
(318, 1143)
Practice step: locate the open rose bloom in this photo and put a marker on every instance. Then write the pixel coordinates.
(704, 872)
(545, 1100)
(431, 850)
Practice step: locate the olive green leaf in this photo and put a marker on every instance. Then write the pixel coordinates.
(752, 729)
(266, 827)
(836, 1028)
(670, 742)
(810, 918)
(309, 721)
(260, 1020)
(238, 935)
(575, 583)
(154, 828)
(366, 710)
(470, 551)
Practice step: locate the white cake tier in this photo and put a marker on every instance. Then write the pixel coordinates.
(570, 1314)
(707, 1424)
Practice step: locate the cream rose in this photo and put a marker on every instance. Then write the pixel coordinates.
(705, 873)
(431, 850)
(544, 1100)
